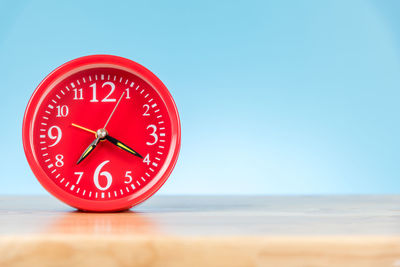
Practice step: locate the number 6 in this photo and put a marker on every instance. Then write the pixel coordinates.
(104, 173)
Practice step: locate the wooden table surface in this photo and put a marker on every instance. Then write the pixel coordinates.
(204, 231)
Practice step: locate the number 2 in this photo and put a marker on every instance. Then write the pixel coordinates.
(112, 87)
(147, 107)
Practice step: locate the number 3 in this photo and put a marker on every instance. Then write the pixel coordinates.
(152, 134)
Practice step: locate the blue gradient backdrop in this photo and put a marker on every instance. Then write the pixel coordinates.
(275, 97)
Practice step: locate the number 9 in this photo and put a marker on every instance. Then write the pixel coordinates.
(56, 137)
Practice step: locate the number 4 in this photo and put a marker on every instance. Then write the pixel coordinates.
(147, 159)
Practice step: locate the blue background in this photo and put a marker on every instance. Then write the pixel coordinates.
(275, 97)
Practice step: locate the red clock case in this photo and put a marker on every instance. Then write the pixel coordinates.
(74, 66)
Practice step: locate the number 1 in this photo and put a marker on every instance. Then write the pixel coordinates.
(94, 93)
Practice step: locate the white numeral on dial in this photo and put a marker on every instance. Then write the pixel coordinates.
(103, 173)
(59, 160)
(128, 176)
(112, 88)
(94, 99)
(147, 107)
(80, 174)
(152, 126)
(62, 111)
(127, 93)
(78, 95)
(56, 137)
(106, 99)
(147, 159)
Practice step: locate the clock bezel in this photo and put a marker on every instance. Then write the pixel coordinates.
(68, 69)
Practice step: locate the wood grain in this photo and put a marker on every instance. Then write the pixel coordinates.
(199, 231)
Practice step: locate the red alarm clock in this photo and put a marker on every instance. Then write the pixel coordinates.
(101, 133)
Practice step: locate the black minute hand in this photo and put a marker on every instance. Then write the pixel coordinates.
(122, 146)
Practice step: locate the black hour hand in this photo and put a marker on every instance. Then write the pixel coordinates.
(122, 146)
(88, 150)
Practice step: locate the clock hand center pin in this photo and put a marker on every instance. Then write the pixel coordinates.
(101, 134)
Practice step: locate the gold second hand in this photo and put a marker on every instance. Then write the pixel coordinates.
(83, 128)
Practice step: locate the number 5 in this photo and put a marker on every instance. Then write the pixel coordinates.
(128, 175)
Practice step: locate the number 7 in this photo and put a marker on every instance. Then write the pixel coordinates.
(80, 174)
